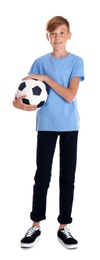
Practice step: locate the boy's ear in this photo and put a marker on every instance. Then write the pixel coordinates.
(69, 35)
(47, 36)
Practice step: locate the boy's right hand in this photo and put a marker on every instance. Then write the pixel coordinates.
(18, 103)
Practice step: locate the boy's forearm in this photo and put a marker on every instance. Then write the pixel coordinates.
(65, 93)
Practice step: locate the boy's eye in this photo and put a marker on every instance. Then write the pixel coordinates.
(62, 32)
(52, 33)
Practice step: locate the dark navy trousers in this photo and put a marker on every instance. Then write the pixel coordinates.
(46, 143)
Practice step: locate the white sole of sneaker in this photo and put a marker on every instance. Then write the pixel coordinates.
(68, 246)
(28, 245)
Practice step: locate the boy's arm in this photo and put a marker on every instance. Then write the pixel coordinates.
(18, 103)
(67, 93)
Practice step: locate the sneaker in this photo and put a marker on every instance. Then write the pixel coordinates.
(31, 237)
(65, 237)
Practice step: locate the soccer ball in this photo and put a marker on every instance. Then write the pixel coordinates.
(35, 91)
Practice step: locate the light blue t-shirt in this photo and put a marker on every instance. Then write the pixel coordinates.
(57, 114)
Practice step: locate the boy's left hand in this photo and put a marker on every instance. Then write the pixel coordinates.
(35, 76)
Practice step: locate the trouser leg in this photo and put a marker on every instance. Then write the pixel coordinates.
(46, 142)
(68, 157)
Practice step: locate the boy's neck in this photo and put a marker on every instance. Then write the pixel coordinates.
(58, 54)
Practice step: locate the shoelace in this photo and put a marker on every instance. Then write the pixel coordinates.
(31, 231)
(66, 233)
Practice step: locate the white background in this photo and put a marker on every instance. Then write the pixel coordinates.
(22, 39)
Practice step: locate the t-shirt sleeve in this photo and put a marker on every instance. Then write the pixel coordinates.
(78, 69)
(34, 68)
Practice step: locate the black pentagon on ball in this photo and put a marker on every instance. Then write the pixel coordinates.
(26, 101)
(36, 90)
(22, 86)
(40, 104)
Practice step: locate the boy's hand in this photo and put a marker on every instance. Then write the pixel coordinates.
(35, 76)
(18, 103)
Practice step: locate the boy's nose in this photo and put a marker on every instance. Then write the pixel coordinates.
(56, 36)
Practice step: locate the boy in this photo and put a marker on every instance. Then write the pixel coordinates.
(58, 117)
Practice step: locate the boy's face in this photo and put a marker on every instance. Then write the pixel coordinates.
(59, 37)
